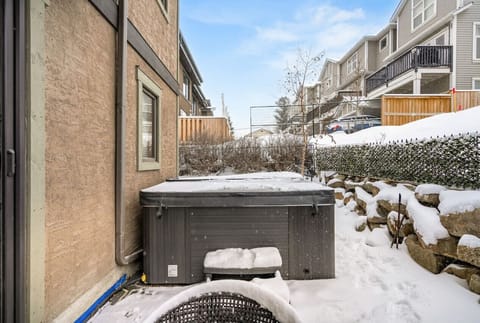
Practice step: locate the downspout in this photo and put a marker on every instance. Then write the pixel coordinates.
(121, 99)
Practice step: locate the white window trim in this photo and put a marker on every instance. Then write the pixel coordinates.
(474, 43)
(352, 58)
(143, 81)
(423, 15)
(380, 49)
(475, 79)
(163, 10)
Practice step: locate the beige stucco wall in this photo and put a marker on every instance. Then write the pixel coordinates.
(137, 180)
(159, 31)
(80, 145)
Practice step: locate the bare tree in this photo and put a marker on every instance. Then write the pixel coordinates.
(304, 70)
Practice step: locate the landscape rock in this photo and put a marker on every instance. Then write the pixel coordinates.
(425, 257)
(406, 228)
(339, 193)
(336, 183)
(474, 283)
(462, 271)
(350, 186)
(428, 199)
(444, 247)
(348, 197)
(462, 223)
(468, 249)
(361, 224)
(389, 207)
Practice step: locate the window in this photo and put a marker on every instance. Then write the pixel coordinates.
(476, 84)
(383, 42)
(422, 11)
(148, 123)
(352, 63)
(476, 40)
(186, 85)
(163, 4)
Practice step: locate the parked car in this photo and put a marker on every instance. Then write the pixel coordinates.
(353, 123)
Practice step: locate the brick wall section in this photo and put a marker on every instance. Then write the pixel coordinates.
(159, 32)
(80, 101)
(80, 145)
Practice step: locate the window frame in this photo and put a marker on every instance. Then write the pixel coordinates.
(163, 4)
(476, 42)
(422, 13)
(380, 43)
(350, 66)
(145, 84)
(475, 79)
(186, 95)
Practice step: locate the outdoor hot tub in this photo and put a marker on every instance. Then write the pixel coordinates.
(185, 218)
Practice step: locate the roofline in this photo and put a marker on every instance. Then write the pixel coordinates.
(399, 8)
(189, 58)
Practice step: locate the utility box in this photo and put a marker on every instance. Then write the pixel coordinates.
(183, 219)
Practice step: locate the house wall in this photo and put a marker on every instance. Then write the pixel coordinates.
(80, 144)
(330, 73)
(381, 55)
(184, 104)
(345, 78)
(373, 61)
(405, 33)
(466, 67)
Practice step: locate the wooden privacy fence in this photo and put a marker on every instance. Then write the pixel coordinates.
(398, 109)
(211, 129)
(402, 109)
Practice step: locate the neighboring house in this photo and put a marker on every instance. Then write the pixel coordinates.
(89, 117)
(192, 100)
(259, 133)
(436, 48)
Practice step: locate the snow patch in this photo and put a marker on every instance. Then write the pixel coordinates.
(275, 284)
(458, 201)
(426, 222)
(470, 241)
(390, 194)
(426, 189)
(243, 258)
(377, 238)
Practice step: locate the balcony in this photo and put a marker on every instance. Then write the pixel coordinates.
(417, 57)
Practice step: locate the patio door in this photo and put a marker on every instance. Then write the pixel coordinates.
(12, 161)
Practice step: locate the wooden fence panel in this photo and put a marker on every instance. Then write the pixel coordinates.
(401, 109)
(211, 129)
(466, 100)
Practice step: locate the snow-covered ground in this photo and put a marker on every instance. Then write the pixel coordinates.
(440, 125)
(372, 284)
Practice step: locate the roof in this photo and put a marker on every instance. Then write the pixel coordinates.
(189, 63)
(397, 11)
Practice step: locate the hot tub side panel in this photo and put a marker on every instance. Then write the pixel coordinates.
(249, 227)
(311, 243)
(164, 258)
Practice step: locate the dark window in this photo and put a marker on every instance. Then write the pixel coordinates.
(149, 125)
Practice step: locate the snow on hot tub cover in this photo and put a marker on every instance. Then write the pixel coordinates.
(254, 182)
(239, 258)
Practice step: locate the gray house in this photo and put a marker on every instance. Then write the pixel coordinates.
(434, 47)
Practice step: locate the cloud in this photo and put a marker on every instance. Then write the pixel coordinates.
(320, 28)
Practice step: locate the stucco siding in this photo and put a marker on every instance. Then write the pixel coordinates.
(466, 67)
(79, 156)
(138, 180)
(159, 31)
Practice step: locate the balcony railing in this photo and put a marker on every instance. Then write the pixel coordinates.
(417, 57)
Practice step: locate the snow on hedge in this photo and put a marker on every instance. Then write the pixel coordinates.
(426, 222)
(243, 258)
(458, 201)
(426, 189)
(470, 241)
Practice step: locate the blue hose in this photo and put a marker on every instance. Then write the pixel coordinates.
(84, 317)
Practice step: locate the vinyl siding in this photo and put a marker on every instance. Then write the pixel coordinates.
(405, 33)
(345, 78)
(331, 72)
(373, 63)
(465, 66)
(381, 55)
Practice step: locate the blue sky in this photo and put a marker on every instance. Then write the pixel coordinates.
(242, 47)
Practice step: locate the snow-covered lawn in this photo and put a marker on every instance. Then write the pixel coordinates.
(372, 284)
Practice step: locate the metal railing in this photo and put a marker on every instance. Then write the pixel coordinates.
(417, 57)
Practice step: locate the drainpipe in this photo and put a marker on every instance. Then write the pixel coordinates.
(121, 99)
